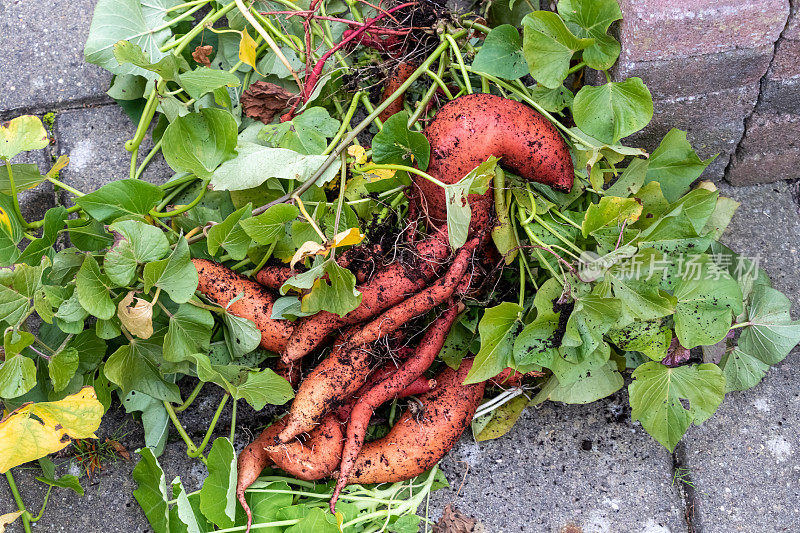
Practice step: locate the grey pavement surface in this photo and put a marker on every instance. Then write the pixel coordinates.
(563, 468)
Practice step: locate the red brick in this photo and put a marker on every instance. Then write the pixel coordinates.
(769, 152)
(786, 64)
(665, 29)
(781, 96)
(699, 75)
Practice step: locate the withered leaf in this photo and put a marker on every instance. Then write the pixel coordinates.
(454, 521)
(202, 54)
(263, 100)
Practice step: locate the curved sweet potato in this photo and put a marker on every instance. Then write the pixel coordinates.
(419, 441)
(222, 285)
(468, 130)
(393, 82)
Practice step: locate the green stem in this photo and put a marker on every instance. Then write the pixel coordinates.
(361, 127)
(26, 521)
(521, 280)
(565, 218)
(71, 190)
(208, 20)
(422, 105)
(366, 168)
(146, 161)
(185, 178)
(132, 171)
(576, 68)
(370, 109)
(556, 234)
(192, 397)
(198, 452)
(179, 18)
(741, 325)
(172, 194)
(345, 122)
(460, 61)
(44, 504)
(186, 207)
(438, 80)
(476, 26)
(13, 187)
(233, 419)
(190, 447)
(144, 122)
(257, 527)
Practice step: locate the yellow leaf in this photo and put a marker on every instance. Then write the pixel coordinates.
(307, 249)
(60, 163)
(379, 174)
(247, 50)
(5, 222)
(35, 430)
(8, 519)
(349, 237)
(22, 134)
(137, 318)
(358, 152)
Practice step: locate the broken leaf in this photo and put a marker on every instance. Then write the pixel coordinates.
(136, 315)
(38, 429)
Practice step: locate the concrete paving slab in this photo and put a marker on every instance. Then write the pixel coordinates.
(744, 462)
(585, 466)
(43, 66)
(94, 139)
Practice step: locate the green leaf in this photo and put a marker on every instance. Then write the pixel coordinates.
(120, 198)
(62, 367)
(501, 54)
(92, 288)
(657, 391)
(176, 274)
(675, 165)
(498, 327)
(610, 211)
(396, 144)
(337, 294)
(255, 164)
(614, 110)
(135, 242)
(552, 100)
(637, 287)
(53, 224)
(167, 67)
(151, 490)
(89, 235)
(721, 217)
(538, 342)
(315, 521)
(200, 142)
(26, 176)
(22, 134)
(10, 231)
(189, 332)
(66, 481)
(127, 20)
(592, 18)
(548, 46)
(269, 226)
(767, 340)
(306, 134)
(708, 299)
(218, 495)
(13, 306)
(184, 508)
(241, 335)
(652, 338)
(155, 419)
(459, 212)
(591, 318)
(17, 376)
(594, 383)
(510, 11)
(131, 368)
(500, 421)
(631, 179)
(230, 235)
(204, 80)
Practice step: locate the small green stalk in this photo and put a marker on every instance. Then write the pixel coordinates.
(26, 517)
(192, 397)
(198, 452)
(460, 61)
(370, 109)
(412, 170)
(233, 419)
(186, 207)
(190, 447)
(345, 122)
(13, 187)
(148, 158)
(44, 505)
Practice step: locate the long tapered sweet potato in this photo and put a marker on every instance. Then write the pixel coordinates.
(314, 458)
(222, 285)
(419, 440)
(388, 287)
(389, 388)
(391, 84)
(468, 130)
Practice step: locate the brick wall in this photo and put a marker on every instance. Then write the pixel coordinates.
(727, 72)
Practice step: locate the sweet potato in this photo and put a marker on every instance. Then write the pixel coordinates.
(391, 84)
(222, 285)
(419, 440)
(388, 287)
(315, 458)
(420, 303)
(468, 130)
(389, 388)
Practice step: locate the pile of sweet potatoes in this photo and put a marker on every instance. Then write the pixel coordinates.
(323, 435)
